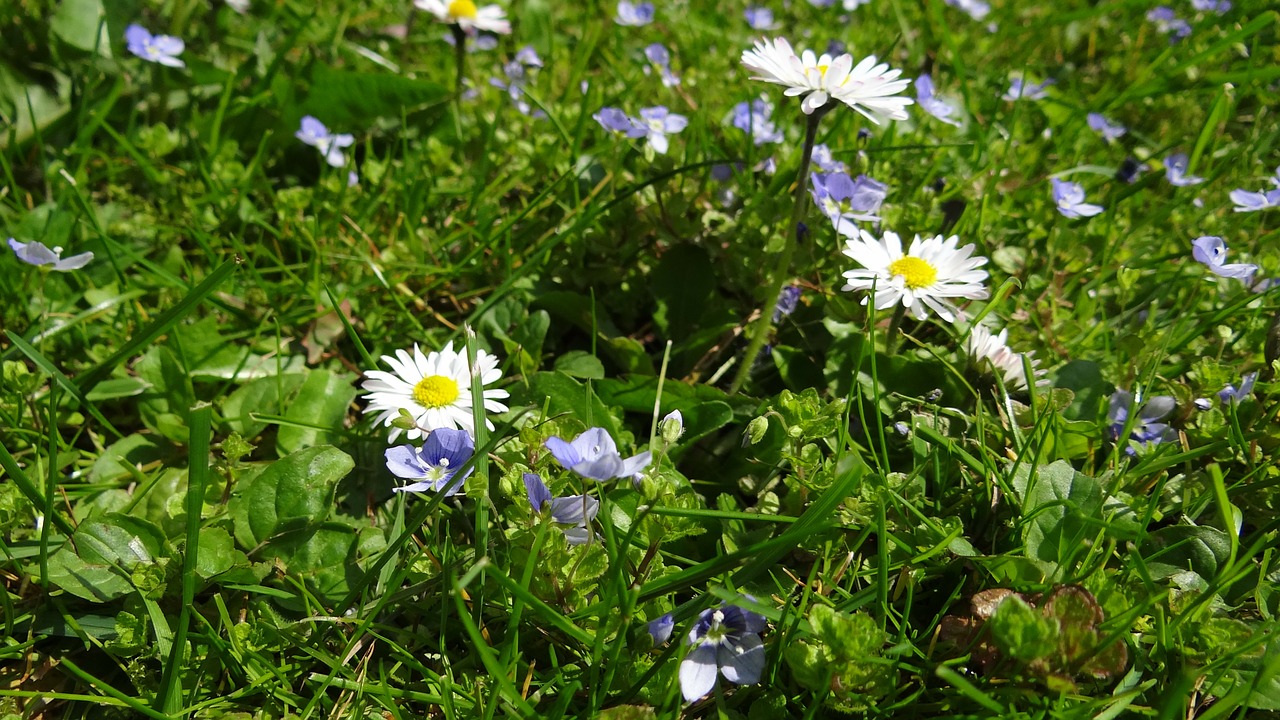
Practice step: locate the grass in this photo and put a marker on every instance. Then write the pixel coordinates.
(196, 518)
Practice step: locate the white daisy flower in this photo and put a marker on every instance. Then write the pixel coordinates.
(923, 278)
(467, 16)
(983, 346)
(435, 389)
(870, 87)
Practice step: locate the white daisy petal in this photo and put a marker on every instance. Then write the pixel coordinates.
(867, 87)
(434, 388)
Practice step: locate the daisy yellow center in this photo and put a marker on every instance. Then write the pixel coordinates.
(463, 9)
(435, 391)
(916, 273)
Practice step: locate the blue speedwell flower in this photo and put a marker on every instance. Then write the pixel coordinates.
(759, 18)
(726, 642)
(976, 9)
(314, 133)
(1069, 199)
(593, 454)
(163, 49)
(660, 629)
(1169, 23)
(1246, 201)
(518, 73)
(846, 201)
(1219, 6)
(788, 300)
(1212, 251)
(1020, 89)
(1231, 393)
(1175, 170)
(1110, 131)
(435, 464)
(657, 55)
(1147, 429)
(575, 511)
(37, 253)
(825, 161)
(634, 14)
(753, 118)
(931, 104)
(656, 123)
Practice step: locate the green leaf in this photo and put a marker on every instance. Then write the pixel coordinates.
(1058, 504)
(322, 401)
(323, 556)
(217, 553)
(80, 23)
(264, 396)
(348, 99)
(294, 494)
(1200, 549)
(576, 363)
(682, 287)
(564, 395)
(100, 559)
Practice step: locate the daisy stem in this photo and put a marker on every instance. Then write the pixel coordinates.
(895, 324)
(764, 323)
(460, 55)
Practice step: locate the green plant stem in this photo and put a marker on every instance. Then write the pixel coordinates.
(460, 56)
(895, 326)
(764, 323)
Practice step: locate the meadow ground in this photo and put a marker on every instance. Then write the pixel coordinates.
(588, 286)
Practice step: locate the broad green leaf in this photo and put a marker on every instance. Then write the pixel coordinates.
(323, 400)
(1060, 509)
(264, 396)
(1201, 549)
(682, 286)
(81, 24)
(294, 494)
(564, 395)
(100, 559)
(576, 363)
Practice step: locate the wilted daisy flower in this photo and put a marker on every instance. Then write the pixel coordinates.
(435, 465)
(661, 59)
(1069, 199)
(434, 389)
(1175, 170)
(869, 87)
(982, 346)
(925, 277)
(634, 14)
(931, 104)
(163, 49)
(1020, 89)
(1169, 23)
(1212, 251)
(37, 253)
(846, 201)
(467, 16)
(1100, 124)
(314, 133)
(753, 119)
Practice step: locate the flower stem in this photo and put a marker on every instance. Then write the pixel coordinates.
(895, 325)
(763, 324)
(460, 55)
